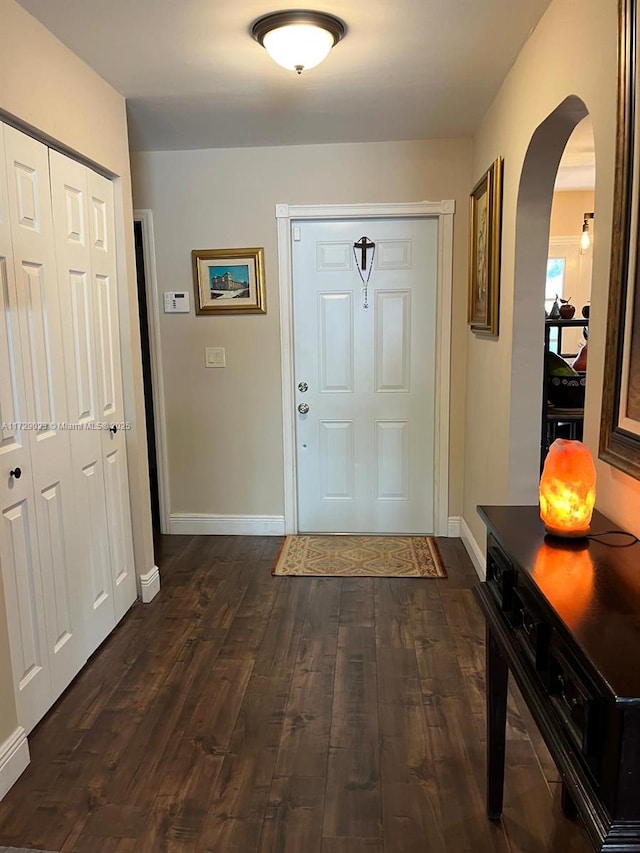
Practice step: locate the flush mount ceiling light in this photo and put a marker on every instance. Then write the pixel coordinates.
(298, 39)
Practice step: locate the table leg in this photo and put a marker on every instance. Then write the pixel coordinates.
(497, 679)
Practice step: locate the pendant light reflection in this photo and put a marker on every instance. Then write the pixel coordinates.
(298, 40)
(585, 239)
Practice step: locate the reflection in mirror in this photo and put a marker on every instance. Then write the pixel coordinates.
(620, 422)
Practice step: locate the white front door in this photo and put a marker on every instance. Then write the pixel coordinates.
(365, 446)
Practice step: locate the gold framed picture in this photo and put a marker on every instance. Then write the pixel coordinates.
(485, 226)
(229, 281)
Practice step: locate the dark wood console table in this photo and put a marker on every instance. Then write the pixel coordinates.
(566, 623)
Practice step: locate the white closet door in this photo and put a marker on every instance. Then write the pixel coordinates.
(19, 557)
(71, 204)
(109, 386)
(57, 584)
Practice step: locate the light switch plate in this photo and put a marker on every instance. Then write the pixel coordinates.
(215, 357)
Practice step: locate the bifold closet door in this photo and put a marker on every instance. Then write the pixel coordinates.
(70, 197)
(40, 557)
(85, 241)
(110, 399)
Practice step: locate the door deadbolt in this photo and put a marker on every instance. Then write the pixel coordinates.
(302, 386)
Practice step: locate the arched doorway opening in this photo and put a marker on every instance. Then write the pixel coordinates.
(568, 289)
(533, 216)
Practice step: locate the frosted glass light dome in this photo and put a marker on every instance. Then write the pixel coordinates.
(298, 46)
(298, 40)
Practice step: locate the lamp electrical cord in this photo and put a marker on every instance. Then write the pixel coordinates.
(596, 537)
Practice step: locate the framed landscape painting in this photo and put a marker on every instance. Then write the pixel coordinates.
(485, 224)
(229, 281)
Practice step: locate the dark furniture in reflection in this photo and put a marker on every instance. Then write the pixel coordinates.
(562, 407)
(566, 623)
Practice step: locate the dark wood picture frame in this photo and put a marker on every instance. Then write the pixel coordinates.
(485, 238)
(620, 417)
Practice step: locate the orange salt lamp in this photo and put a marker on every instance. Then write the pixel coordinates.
(567, 489)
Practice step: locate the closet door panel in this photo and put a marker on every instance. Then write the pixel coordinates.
(11, 384)
(71, 212)
(99, 599)
(41, 337)
(14, 451)
(19, 554)
(106, 317)
(70, 218)
(117, 492)
(79, 346)
(36, 283)
(41, 361)
(110, 405)
(22, 581)
(58, 556)
(105, 290)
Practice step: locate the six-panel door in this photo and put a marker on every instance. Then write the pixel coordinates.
(66, 550)
(365, 359)
(47, 625)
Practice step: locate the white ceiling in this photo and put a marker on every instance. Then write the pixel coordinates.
(577, 170)
(194, 78)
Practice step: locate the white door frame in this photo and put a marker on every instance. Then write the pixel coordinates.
(442, 211)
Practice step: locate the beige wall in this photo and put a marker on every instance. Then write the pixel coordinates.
(48, 89)
(567, 212)
(225, 426)
(556, 62)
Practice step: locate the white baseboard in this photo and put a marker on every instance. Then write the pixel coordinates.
(454, 527)
(14, 759)
(227, 525)
(476, 553)
(149, 585)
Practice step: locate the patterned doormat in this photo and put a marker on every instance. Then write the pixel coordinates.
(361, 556)
(20, 850)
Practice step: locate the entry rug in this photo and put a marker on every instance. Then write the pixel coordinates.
(19, 850)
(361, 556)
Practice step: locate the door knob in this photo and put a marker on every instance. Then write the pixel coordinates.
(303, 408)
(113, 429)
(16, 472)
(302, 386)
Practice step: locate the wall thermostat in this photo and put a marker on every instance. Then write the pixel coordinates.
(176, 302)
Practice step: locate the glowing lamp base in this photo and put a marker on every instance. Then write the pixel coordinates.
(567, 534)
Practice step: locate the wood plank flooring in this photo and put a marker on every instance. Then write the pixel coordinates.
(240, 713)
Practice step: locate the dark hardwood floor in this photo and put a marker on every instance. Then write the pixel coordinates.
(240, 713)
